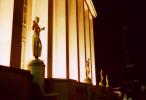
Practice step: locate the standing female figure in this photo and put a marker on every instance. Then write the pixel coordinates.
(36, 42)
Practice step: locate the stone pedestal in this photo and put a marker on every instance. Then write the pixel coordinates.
(37, 68)
(88, 80)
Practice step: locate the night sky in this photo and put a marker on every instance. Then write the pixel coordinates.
(120, 39)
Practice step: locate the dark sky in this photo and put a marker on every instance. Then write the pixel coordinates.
(120, 38)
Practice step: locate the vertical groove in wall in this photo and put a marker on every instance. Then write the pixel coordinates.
(15, 61)
(50, 38)
(78, 53)
(67, 41)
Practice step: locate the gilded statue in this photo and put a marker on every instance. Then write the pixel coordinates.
(36, 42)
(87, 68)
(107, 83)
(101, 78)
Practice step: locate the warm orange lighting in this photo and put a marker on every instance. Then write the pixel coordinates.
(59, 39)
(92, 50)
(85, 6)
(72, 32)
(87, 33)
(93, 72)
(6, 19)
(81, 40)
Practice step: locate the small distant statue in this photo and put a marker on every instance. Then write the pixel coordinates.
(107, 82)
(101, 78)
(36, 42)
(87, 67)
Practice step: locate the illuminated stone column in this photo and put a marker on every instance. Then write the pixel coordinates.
(81, 39)
(93, 70)
(6, 20)
(87, 34)
(72, 39)
(59, 39)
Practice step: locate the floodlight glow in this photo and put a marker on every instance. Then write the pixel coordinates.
(72, 32)
(6, 19)
(59, 39)
(81, 40)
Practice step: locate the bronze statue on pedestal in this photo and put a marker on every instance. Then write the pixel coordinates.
(37, 66)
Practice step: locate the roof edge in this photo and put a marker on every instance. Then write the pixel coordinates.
(91, 8)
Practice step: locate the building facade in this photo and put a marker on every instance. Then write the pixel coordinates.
(67, 41)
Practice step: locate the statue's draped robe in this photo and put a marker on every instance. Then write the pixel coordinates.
(36, 42)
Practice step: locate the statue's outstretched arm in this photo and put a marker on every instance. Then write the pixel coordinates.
(43, 28)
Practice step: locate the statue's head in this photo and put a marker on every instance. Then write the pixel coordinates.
(37, 19)
(101, 71)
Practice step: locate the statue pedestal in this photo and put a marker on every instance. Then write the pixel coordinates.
(88, 80)
(37, 68)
